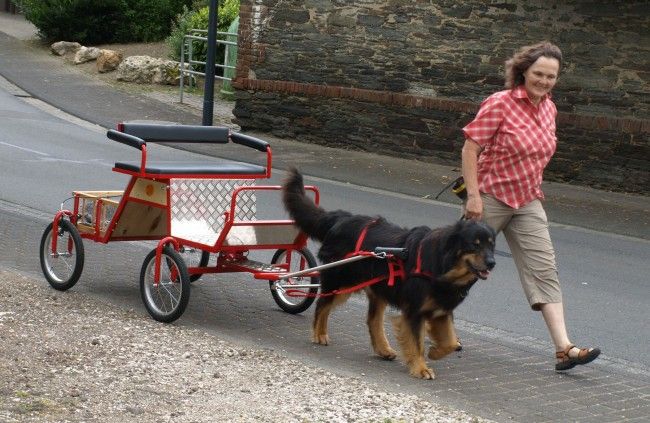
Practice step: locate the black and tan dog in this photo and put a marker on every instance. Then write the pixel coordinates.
(441, 267)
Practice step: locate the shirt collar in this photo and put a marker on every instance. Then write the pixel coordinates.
(520, 92)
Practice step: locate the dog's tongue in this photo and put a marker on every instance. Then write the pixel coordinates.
(483, 274)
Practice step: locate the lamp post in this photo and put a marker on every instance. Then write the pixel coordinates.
(208, 92)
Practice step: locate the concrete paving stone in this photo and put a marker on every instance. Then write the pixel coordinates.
(567, 404)
(558, 396)
(532, 361)
(631, 404)
(609, 419)
(543, 383)
(599, 410)
(504, 411)
(568, 414)
(638, 383)
(625, 415)
(539, 417)
(491, 398)
(643, 419)
(608, 398)
(643, 391)
(583, 398)
(509, 386)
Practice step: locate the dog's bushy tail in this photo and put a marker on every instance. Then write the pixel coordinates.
(310, 218)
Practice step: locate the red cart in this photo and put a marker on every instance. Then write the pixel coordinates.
(193, 210)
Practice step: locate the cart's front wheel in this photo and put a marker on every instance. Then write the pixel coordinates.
(195, 258)
(62, 268)
(296, 260)
(166, 300)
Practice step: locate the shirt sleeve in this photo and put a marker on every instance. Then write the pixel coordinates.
(486, 123)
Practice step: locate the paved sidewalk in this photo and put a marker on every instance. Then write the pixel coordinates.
(515, 381)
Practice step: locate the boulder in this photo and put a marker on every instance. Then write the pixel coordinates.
(149, 70)
(61, 48)
(86, 54)
(108, 61)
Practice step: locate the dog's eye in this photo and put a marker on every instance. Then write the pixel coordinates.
(472, 248)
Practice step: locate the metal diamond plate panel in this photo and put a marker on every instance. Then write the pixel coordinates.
(198, 207)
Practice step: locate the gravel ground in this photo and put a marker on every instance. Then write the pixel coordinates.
(66, 357)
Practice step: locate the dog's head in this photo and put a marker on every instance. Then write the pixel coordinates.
(468, 252)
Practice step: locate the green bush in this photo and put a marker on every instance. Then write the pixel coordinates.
(198, 19)
(93, 22)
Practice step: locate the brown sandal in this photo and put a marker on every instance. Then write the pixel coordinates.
(585, 355)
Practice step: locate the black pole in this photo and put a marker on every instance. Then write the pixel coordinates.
(208, 92)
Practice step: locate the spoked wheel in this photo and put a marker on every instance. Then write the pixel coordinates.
(195, 258)
(297, 260)
(62, 268)
(165, 301)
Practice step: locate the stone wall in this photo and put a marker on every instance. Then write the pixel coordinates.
(403, 76)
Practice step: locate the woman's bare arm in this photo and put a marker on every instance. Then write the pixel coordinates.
(474, 205)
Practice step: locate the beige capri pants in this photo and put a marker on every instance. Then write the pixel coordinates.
(526, 231)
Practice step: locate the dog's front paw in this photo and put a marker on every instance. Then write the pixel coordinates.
(436, 353)
(387, 354)
(321, 339)
(423, 373)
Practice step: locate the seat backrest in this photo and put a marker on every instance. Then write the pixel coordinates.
(150, 132)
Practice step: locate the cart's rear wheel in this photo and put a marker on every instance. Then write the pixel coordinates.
(167, 300)
(297, 260)
(195, 258)
(62, 268)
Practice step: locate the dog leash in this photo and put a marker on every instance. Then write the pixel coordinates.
(457, 187)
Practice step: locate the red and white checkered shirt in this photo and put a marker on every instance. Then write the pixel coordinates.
(518, 140)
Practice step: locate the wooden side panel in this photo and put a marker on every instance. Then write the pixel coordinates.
(141, 220)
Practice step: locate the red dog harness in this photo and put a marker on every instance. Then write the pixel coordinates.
(395, 269)
(418, 265)
(395, 264)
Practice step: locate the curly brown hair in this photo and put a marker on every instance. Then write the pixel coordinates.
(525, 57)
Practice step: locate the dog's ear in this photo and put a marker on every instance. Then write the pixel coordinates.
(449, 247)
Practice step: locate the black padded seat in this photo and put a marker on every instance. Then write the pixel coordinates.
(189, 168)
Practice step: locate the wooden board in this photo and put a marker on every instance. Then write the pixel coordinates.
(141, 220)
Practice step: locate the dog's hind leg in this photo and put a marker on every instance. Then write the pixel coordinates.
(324, 306)
(442, 333)
(375, 321)
(410, 335)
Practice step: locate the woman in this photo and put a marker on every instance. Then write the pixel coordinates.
(507, 146)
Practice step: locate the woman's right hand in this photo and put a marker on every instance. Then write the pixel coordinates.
(474, 207)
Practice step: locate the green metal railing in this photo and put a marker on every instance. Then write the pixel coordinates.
(188, 63)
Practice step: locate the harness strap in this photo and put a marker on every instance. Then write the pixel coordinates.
(362, 236)
(395, 265)
(418, 265)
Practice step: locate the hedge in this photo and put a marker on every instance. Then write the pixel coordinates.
(92, 22)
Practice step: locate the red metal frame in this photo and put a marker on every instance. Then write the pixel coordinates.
(55, 228)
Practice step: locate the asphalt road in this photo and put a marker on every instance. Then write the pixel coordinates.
(44, 158)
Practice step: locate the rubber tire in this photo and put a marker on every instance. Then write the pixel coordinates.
(170, 254)
(307, 301)
(66, 226)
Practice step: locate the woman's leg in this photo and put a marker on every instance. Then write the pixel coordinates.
(554, 317)
(532, 250)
